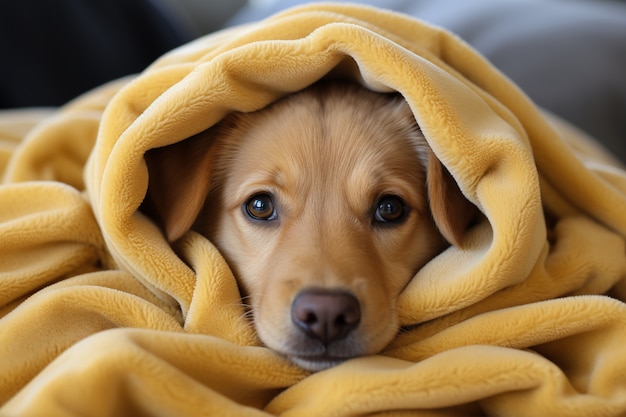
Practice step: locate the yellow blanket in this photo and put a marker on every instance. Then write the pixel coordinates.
(100, 317)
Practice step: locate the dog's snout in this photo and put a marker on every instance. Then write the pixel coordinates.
(326, 315)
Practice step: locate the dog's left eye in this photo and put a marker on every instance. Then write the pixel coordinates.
(261, 207)
(390, 209)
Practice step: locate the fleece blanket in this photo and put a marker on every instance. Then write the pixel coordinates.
(100, 316)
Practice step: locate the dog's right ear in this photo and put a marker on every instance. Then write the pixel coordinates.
(179, 182)
(451, 211)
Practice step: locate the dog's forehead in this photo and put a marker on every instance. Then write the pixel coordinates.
(355, 141)
(343, 139)
(348, 124)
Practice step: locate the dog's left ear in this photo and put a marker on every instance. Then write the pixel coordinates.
(451, 211)
(179, 182)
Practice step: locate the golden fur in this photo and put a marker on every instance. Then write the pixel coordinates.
(348, 202)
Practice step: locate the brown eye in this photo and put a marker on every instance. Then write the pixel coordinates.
(390, 209)
(261, 207)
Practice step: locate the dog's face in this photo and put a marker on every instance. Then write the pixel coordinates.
(321, 204)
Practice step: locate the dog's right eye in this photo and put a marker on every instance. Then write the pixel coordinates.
(261, 207)
(390, 210)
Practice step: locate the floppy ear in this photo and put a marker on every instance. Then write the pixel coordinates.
(451, 211)
(179, 182)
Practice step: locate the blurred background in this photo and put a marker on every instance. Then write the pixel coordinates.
(568, 55)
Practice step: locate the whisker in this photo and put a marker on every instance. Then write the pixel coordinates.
(248, 311)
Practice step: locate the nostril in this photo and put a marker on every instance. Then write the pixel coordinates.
(310, 318)
(326, 315)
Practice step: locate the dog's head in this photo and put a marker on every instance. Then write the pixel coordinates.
(325, 204)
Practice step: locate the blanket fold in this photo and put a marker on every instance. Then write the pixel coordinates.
(100, 316)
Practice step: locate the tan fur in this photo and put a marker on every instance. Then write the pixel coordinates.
(327, 155)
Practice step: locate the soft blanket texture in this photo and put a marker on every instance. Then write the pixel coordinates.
(100, 316)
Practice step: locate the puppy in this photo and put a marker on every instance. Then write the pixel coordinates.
(325, 204)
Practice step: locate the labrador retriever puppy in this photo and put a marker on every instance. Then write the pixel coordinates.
(325, 204)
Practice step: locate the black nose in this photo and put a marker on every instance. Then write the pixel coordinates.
(326, 315)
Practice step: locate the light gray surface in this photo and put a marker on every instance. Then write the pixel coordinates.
(202, 16)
